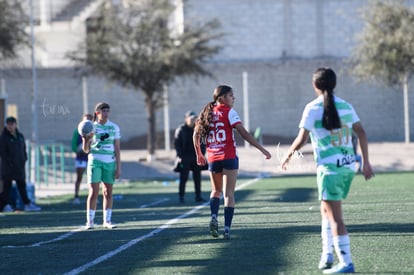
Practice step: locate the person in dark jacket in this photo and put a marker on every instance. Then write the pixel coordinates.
(186, 156)
(13, 159)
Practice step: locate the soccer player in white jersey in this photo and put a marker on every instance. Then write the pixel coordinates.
(104, 164)
(330, 122)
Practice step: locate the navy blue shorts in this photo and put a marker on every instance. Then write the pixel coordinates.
(218, 166)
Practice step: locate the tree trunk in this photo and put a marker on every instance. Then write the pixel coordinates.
(151, 106)
(406, 111)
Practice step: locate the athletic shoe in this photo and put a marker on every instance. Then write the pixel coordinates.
(214, 228)
(340, 268)
(326, 261)
(108, 225)
(89, 225)
(32, 207)
(226, 234)
(76, 201)
(7, 208)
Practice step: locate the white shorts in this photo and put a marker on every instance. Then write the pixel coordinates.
(80, 163)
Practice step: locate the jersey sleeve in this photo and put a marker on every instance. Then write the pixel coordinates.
(234, 118)
(117, 132)
(355, 117)
(307, 121)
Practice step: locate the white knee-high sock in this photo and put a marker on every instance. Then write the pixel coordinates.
(343, 249)
(107, 215)
(326, 233)
(90, 215)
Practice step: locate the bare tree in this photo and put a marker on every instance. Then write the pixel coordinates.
(137, 48)
(385, 52)
(13, 22)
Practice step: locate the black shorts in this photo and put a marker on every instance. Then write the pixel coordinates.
(218, 166)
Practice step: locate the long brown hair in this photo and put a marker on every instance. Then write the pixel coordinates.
(204, 118)
(325, 80)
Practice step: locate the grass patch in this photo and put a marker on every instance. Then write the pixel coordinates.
(276, 230)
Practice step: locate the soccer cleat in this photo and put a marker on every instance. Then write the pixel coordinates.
(214, 228)
(89, 225)
(340, 268)
(108, 225)
(226, 234)
(32, 207)
(326, 261)
(7, 208)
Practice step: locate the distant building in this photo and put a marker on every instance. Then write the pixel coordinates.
(276, 43)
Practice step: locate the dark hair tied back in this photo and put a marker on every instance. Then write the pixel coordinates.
(205, 116)
(324, 79)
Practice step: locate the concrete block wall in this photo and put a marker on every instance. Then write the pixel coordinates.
(269, 29)
(279, 43)
(278, 92)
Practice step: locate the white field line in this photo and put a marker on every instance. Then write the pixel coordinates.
(149, 235)
(68, 234)
(154, 203)
(59, 238)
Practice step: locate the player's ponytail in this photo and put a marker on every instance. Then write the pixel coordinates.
(205, 116)
(203, 120)
(325, 80)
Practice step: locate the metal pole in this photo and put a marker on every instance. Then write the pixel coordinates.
(85, 94)
(34, 90)
(3, 88)
(246, 105)
(166, 120)
(406, 112)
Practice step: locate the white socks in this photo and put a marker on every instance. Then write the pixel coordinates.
(107, 215)
(90, 215)
(327, 241)
(343, 249)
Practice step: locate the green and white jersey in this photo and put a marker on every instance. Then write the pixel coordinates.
(102, 147)
(332, 148)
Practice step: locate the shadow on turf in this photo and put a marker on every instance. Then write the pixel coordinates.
(298, 194)
(251, 250)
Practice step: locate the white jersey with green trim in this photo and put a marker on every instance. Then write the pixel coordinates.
(102, 147)
(332, 148)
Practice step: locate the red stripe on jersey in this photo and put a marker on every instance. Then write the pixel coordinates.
(221, 144)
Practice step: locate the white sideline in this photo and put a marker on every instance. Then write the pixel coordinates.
(68, 234)
(61, 237)
(149, 235)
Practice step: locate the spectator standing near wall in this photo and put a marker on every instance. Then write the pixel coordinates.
(186, 156)
(13, 160)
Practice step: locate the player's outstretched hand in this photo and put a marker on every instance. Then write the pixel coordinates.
(367, 171)
(267, 154)
(285, 163)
